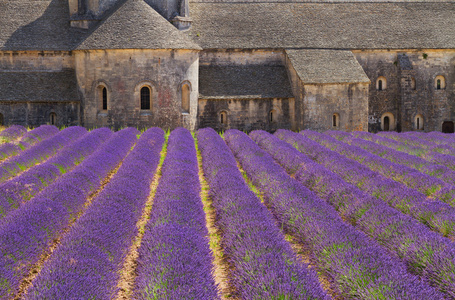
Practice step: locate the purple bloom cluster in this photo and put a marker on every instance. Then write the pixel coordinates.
(437, 215)
(175, 261)
(37, 135)
(445, 174)
(357, 266)
(427, 144)
(431, 156)
(22, 188)
(86, 264)
(28, 231)
(424, 252)
(28, 140)
(425, 184)
(12, 133)
(40, 152)
(263, 263)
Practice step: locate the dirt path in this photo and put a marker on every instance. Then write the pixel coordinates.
(128, 272)
(36, 268)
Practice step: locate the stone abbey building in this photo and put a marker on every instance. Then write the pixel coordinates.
(246, 64)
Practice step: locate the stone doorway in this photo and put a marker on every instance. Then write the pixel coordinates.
(386, 124)
(447, 127)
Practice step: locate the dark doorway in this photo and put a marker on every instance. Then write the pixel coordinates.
(447, 127)
(386, 124)
(2, 122)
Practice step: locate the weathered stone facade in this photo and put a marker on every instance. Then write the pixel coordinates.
(242, 64)
(124, 73)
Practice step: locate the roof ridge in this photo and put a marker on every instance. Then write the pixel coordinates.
(134, 24)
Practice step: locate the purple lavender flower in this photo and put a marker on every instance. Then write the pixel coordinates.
(86, 264)
(356, 265)
(15, 192)
(254, 246)
(40, 152)
(12, 133)
(28, 231)
(175, 260)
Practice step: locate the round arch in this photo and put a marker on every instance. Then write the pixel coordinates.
(381, 83)
(387, 122)
(139, 93)
(419, 122)
(439, 82)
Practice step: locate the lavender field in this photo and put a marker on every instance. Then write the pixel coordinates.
(178, 215)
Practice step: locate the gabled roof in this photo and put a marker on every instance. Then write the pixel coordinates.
(36, 25)
(327, 66)
(36, 86)
(323, 25)
(135, 25)
(244, 82)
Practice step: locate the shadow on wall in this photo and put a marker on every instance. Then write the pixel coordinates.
(49, 29)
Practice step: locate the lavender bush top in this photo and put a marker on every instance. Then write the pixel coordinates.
(344, 254)
(12, 133)
(86, 264)
(175, 261)
(264, 265)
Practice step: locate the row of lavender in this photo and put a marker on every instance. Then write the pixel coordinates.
(27, 140)
(262, 262)
(27, 232)
(437, 215)
(22, 188)
(87, 262)
(424, 252)
(356, 265)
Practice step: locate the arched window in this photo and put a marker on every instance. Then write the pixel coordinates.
(52, 118)
(223, 118)
(2, 121)
(186, 98)
(413, 83)
(104, 97)
(145, 98)
(381, 83)
(387, 122)
(418, 122)
(272, 116)
(439, 82)
(335, 120)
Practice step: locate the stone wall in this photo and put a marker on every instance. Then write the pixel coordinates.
(35, 60)
(400, 98)
(246, 114)
(36, 114)
(124, 73)
(348, 101)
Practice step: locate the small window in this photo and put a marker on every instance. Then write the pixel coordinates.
(145, 98)
(418, 122)
(272, 116)
(381, 83)
(52, 119)
(335, 120)
(186, 98)
(223, 118)
(104, 96)
(440, 82)
(413, 83)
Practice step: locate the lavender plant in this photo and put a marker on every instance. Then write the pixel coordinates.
(263, 263)
(175, 260)
(27, 232)
(397, 157)
(12, 133)
(15, 192)
(428, 185)
(357, 266)
(399, 233)
(438, 216)
(431, 156)
(29, 139)
(40, 152)
(86, 264)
